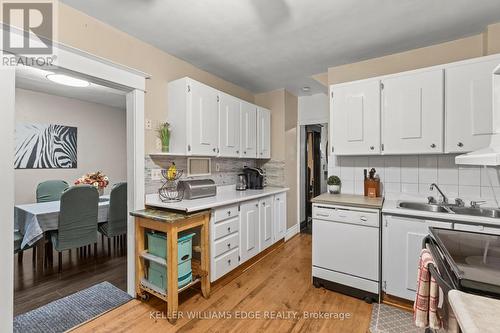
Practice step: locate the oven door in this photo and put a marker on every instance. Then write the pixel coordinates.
(441, 273)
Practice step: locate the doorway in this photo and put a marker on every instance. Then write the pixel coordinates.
(314, 168)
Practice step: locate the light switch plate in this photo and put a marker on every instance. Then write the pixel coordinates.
(155, 174)
(148, 124)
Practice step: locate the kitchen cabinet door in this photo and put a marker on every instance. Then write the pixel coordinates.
(279, 223)
(263, 133)
(355, 118)
(229, 126)
(469, 106)
(249, 230)
(412, 113)
(401, 245)
(248, 130)
(203, 119)
(266, 222)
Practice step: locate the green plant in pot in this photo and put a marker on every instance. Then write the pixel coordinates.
(164, 135)
(334, 184)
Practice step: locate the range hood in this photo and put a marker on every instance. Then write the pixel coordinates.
(489, 156)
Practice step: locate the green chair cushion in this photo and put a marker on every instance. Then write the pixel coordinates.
(50, 190)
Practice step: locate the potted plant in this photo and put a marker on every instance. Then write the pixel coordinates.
(164, 135)
(97, 179)
(334, 184)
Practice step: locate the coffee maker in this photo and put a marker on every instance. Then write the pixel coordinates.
(255, 178)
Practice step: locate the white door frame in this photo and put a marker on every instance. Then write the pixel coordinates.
(96, 69)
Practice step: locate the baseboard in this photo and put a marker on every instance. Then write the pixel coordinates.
(290, 232)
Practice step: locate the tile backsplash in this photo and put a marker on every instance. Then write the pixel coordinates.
(413, 174)
(228, 170)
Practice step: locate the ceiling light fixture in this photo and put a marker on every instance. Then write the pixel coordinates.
(306, 89)
(68, 80)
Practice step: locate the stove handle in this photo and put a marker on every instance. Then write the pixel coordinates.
(439, 280)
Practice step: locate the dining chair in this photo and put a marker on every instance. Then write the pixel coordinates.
(77, 225)
(50, 190)
(116, 225)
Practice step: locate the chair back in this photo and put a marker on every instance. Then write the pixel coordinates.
(118, 213)
(50, 190)
(78, 217)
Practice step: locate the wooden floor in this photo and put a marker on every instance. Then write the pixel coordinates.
(33, 289)
(281, 281)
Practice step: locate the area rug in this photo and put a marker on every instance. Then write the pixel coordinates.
(72, 310)
(389, 319)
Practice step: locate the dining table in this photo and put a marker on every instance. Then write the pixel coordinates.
(33, 220)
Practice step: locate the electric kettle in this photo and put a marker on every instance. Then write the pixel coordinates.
(241, 183)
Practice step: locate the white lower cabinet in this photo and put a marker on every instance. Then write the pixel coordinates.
(279, 223)
(402, 242)
(239, 232)
(266, 223)
(249, 235)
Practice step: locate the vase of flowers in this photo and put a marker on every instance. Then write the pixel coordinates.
(97, 179)
(164, 136)
(334, 184)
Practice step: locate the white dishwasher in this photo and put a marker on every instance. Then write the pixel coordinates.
(346, 250)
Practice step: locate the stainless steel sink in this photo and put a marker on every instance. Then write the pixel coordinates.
(486, 212)
(450, 209)
(422, 206)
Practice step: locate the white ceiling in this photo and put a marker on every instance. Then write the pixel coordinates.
(35, 79)
(263, 45)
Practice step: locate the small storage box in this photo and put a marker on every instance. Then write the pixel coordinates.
(157, 245)
(157, 274)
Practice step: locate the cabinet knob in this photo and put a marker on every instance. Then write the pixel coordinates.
(372, 147)
(263, 204)
(460, 144)
(228, 212)
(244, 152)
(237, 152)
(229, 245)
(215, 149)
(229, 262)
(229, 229)
(256, 205)
(433, 145)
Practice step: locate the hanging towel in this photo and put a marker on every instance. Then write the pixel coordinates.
(427, 299)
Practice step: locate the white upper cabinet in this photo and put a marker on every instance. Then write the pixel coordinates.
(248, 130)
(229, 126)
(355, 118)
(469, 105)
(194, 118)
(208, 122)
(263, 133)
(412, 113)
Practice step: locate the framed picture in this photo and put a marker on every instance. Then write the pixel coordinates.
(45, 146)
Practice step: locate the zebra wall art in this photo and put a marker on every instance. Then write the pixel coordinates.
(45, 146)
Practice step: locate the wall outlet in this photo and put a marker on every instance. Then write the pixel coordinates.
(148, 123)
(158, 143)
(156, 174)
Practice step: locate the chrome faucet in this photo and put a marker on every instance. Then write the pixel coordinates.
(444, 198)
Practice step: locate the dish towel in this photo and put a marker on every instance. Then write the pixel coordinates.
(427, 300)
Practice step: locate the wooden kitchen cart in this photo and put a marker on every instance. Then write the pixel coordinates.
(170, 223)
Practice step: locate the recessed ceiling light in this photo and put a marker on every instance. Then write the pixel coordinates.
(306, 89)
(68, 80)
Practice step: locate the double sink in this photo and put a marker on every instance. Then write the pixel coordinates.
(450, 209)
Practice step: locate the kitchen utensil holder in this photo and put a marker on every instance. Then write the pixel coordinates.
(169, 191)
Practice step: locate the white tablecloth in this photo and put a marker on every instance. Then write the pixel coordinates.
(32, 220)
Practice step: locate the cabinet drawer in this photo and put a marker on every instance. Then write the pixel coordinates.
(226, 228)
(226, 244)
(226, 263)
(225, 213)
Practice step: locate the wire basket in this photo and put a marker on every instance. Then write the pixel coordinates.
(170, 191)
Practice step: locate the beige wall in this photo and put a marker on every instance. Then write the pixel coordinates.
(84, 32)
(101, 140)
(291, 167)
(460, 49)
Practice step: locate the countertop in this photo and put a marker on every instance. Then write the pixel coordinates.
(391, 207)
(475, 314)
(224, 197)
(359, 201)
(164, 215)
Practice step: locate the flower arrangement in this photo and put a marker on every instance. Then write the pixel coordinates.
(96, 179)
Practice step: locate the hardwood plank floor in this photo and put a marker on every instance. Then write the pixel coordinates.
(33, 289)
(280, 282)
